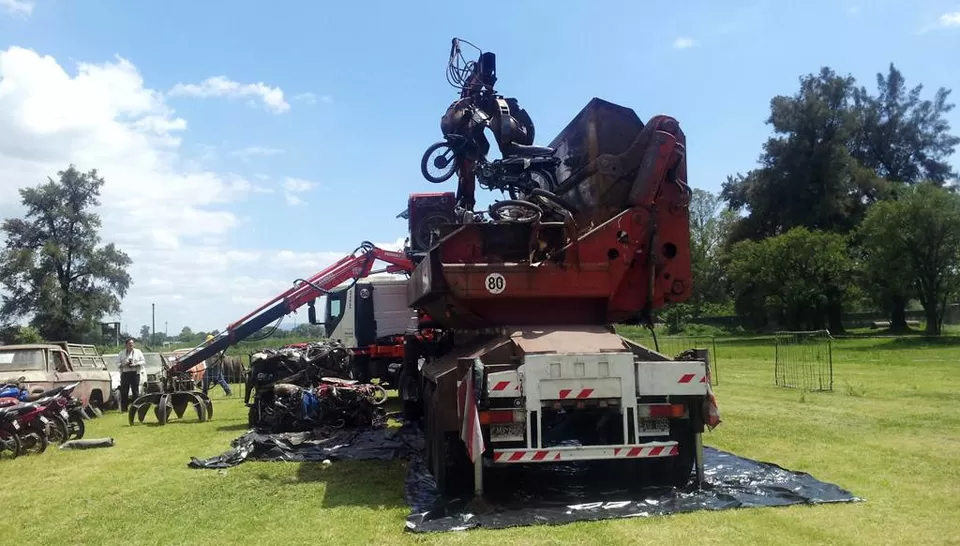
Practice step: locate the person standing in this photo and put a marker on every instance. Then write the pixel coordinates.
(130, 362)
(214, 374)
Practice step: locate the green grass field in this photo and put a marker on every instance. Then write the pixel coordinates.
(890, 433)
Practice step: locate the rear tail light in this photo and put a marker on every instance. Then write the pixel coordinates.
(661, 410)
(499, 417)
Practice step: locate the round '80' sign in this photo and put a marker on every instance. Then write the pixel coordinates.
(495, 283)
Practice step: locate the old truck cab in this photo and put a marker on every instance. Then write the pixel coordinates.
(44, 366)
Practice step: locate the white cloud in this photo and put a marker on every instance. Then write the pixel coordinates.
(951, 19)
(256, 151)
(293, 186)
(17, 7)
(312, 98)
(221, 86)
(172, 218)
(683, 43)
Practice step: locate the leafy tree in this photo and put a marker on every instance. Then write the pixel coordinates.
(186, 334)
(912, 245)
(798, 279)
(807, 175)
(51, 265)
(901, 137)
(20, 334)
(145, 334)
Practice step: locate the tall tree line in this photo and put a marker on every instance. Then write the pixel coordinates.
(853, 203)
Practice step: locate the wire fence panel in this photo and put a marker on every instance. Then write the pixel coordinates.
(804, 360)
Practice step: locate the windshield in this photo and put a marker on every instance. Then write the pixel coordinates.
(21, 360)
(152, 361)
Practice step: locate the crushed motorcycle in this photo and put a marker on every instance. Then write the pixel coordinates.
(334, 402)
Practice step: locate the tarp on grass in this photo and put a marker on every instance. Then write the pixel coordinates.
(537, 494)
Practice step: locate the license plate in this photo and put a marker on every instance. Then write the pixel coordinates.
(513, 432)
(658, 425)
(64, 414)
(16, 425)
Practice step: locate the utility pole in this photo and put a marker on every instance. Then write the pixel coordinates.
(153, 323)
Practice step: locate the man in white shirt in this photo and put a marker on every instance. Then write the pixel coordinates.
(130, 362)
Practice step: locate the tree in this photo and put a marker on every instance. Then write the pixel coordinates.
(915, 240)
(52, 267)
(186, 334)
(145, 335)
(903, 138)
(799, 279)
(807, 177)
(710, 226)
(20, 334)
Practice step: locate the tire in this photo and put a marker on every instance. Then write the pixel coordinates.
(58, 431)
(33, 442)
(77, 427)
(494, 209)
(675, 471)
(96, 400)
(425, 162)
(10, 444)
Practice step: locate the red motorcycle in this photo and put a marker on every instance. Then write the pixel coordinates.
(28, 424)
(10, 445)
(60, 410)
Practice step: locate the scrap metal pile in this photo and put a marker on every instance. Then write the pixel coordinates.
(305, 386)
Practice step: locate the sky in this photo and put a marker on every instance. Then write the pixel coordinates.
(245, 144)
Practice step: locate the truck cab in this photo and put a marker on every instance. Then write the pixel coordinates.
(45, 366)
(371, 317)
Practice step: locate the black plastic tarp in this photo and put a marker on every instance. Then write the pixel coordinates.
(384, 443)
(538, 494)
(565, 493)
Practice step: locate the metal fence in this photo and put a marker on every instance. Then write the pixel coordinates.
(804, 360)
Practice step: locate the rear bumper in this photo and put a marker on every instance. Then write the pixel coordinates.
(585, 453)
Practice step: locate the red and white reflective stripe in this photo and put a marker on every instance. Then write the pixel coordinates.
(565, 394)
(526, 456)
(586, 453)
(501, 386)
(642, 452)
(689, 377)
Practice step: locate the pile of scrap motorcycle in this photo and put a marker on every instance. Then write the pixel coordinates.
(31, 421)
(306, 386)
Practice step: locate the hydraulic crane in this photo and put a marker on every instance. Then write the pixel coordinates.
(357, 265)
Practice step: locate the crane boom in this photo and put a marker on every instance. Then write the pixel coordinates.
(357, 265)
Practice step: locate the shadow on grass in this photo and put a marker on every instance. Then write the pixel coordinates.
(372, 484)
(238, 427)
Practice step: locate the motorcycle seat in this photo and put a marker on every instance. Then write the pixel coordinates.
(523, 150)
(17, 410)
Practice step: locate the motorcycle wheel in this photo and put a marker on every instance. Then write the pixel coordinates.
(57, 431)
(451, 165)
(33, 442)
(77, 427)
(10, 442)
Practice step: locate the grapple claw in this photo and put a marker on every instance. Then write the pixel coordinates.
(141, 405)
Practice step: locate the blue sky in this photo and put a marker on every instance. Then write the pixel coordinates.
(376, 71)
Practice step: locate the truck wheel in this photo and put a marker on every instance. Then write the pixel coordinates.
(96, 400)
(675, 471)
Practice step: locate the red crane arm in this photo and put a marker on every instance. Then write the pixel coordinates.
(357, 265)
